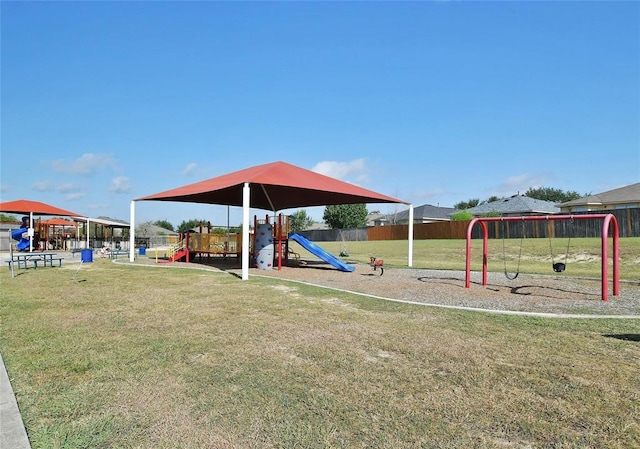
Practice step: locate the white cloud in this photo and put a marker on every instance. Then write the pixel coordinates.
(85, 164)
(343, 170)
(426, 195)
(4, 190)
(189, 169)
(41, 186)
(120, 184)
(97, 206)
(520, 183)
(66, 187)
(74, 196)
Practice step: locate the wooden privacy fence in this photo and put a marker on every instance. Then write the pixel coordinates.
(628, 222)
(440, 230)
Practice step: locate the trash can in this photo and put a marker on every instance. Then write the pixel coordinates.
(142, 251)
(86, 255)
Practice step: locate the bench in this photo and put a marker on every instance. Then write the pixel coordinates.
(21, 262)
(55, 259)
(117, 252)
(75, 250)
(48, 261)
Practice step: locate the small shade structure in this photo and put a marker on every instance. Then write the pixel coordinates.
(34, 208)
(60, 223)
(105, 222)
(275, 186)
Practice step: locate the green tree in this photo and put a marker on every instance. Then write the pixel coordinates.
(345, 216)
(553, 195)
(463, 215)
(462, 205)
(164, 224)
(299, 221)
(4, 218)
(190, 224)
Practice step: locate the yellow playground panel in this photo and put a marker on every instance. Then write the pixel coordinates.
(201, 243)
(223, 244)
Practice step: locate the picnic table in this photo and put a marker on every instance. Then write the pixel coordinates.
(113, 254)
(47, 259)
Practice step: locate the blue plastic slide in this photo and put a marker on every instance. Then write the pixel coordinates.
(23, 244)
(322, 254)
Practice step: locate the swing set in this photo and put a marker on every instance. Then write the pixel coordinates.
(608, 219)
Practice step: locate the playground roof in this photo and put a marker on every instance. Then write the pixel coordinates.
(59, 222)
(280, 186)
(33, 207)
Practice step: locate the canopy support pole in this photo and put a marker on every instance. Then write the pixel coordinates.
(246, 196)
(410, 237)
(132, 232)
(88, 231)
(31, 232)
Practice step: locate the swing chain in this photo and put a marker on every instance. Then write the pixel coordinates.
(504, 253)
(559, 267)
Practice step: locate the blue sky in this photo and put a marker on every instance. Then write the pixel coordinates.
(429, 102)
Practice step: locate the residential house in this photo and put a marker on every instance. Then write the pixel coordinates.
(516, 205)
(426, 213)
(627, 197)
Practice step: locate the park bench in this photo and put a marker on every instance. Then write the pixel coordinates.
(118, 252)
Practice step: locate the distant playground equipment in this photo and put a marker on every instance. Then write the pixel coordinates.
(45, 234)
(608, 220)
(22, 235)
(269, 246)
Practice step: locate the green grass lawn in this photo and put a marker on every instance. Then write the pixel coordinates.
(148, 357)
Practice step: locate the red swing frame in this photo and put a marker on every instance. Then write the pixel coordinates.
(608, 219)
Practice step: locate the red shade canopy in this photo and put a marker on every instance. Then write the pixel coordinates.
(59, 222)
(282, 186)
(34, 207)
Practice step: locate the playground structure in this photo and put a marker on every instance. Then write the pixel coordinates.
(202, 243)
(54, 233)
(24, 242)
(269, 251)
(61, 234)
(608, 220)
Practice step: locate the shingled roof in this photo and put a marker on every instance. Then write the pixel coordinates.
(516, 205)
(424, 214)
(623, 195)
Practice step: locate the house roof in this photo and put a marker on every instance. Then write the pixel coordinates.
(516, 204)
(149, 229)
(279, 186)
(426, 212)
(621, 195)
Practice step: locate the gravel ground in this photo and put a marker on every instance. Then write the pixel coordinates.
(557, 294)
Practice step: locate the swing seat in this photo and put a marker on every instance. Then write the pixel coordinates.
(559, 267)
